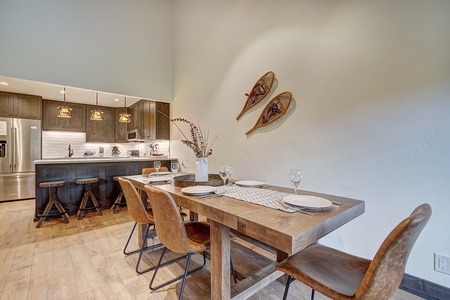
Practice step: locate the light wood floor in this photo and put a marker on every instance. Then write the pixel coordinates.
(84, 260)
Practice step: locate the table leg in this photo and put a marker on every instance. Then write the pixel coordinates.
(220, 261)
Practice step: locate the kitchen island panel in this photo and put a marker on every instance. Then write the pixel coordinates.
(70, 194)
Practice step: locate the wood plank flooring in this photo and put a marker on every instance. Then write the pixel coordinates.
(84, 260)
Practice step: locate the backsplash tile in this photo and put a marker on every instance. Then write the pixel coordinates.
(55, 144)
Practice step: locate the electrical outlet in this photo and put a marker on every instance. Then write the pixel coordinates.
(442, 263)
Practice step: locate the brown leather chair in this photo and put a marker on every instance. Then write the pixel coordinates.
(146, 171)
(142, 216)
(176, 235)
(339, 275)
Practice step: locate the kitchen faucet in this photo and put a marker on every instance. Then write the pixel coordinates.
(70, 151)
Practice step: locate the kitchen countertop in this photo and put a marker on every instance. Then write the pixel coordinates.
(83, 160)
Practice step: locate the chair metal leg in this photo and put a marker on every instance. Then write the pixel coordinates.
(185, 276)
(312, 294)
(170, 262)
(233, 272)
(141, 250)
(288, 284)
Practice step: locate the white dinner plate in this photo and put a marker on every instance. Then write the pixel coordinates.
(158, 179)
(251, 183)
(307, 201)
(160, 173)
(198, 190)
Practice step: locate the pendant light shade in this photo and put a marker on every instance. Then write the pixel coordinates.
(96, 114)
(64, 111)
(125, 117)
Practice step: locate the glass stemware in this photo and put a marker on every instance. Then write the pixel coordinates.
(157, 165)
(174, 167)
(295, 175)
(185, 165)
(223, 172)
(230, 172)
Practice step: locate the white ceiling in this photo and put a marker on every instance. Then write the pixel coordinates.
(52, 92)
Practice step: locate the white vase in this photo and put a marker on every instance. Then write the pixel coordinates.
(201, 169)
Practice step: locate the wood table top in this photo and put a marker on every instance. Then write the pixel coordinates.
(288, 232)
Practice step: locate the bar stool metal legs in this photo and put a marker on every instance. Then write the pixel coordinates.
(88, 194)
(52, 200)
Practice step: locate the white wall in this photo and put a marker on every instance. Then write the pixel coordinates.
(371, 82)
(114, 46)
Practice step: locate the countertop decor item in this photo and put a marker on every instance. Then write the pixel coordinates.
(273, 110)
(200, 144)
(258, 92)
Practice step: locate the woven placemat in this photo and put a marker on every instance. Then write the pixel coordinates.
(189, 180)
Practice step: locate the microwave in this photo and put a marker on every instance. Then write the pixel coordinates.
(134, 136)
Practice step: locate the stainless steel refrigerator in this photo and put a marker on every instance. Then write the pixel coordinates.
(20, 145)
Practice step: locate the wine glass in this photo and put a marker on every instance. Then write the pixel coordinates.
(230, 171)
(174, 167)
(185, 165)
(295, 175)
(157, 165)
(223, 172)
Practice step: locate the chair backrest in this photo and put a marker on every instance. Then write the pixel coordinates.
(135, 205)
(153, 170)
(168, 222)
(388, 266)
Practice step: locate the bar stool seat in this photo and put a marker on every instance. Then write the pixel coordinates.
(120, 200)
(52, 200)
(88, 194)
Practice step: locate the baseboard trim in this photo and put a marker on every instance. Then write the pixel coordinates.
(423, 288)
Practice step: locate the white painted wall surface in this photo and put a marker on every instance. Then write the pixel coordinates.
(371, 82)
(114, 46)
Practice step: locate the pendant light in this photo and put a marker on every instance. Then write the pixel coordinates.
(125, 116)
(64, 111)
(96, 114)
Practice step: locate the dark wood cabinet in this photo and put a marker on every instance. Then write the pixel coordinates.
(20, 106)
(150, 124)
(100, 131)
(162, 116)
(50, 121)
(121, 128)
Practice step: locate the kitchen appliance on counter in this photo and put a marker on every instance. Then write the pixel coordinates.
(20, 145)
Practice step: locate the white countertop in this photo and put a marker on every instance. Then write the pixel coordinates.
(83, 160)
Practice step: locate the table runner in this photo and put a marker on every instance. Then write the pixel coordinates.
(268, 198)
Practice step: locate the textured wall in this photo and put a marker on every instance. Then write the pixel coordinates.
(370, 120)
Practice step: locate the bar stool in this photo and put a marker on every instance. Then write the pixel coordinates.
(120, 200)
(52, 200)
(88, 194)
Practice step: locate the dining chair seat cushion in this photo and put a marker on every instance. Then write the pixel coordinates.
(198, 234)
(344, 272)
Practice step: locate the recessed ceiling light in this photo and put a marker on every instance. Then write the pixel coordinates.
(62, 92)
(4, 83)
(115, 99)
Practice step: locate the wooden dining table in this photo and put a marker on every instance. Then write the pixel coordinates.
(287, 232)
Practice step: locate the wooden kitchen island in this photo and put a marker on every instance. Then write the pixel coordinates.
(71, 169)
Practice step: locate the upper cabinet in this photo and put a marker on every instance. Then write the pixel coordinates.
(162, 117)
(100, 131)
(147, 119)
(121, 128)
(50, 121)
(20, 106)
